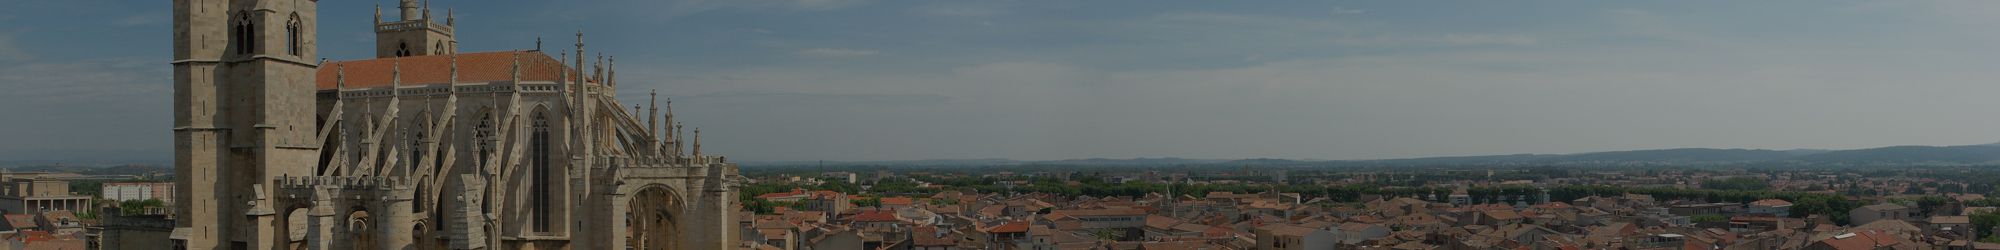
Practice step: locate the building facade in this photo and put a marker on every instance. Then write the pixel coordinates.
(421, 147)
(138, 191)
(34, 196)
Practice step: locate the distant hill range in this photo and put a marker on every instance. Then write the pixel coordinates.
(1985, 154)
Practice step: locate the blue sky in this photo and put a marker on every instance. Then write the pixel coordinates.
(879, 80)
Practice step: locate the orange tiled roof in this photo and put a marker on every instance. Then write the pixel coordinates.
(875, 216)
(897, 201)
(21, 221)
(435, 69)
(1869, 239)
(1009, 227)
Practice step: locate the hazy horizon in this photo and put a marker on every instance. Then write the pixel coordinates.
(864, 80)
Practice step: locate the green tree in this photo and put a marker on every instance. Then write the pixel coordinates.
(135, 207)
(1708, 218)
(1107, 234)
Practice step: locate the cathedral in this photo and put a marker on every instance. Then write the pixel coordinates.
(422, 147)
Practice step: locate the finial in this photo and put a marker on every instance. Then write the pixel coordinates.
(450, 18)
(396, 79)
(454, 67)
(339, 78)
(579, 39)
(538, 44)
(427, 11)
(378, 13)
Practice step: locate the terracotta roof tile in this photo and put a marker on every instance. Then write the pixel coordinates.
(897, 201)
(874, 216)
(1009, 227)
(435, 69)
(21, 221)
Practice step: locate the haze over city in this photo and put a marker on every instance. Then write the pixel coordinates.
(900, 80)
(945, 125)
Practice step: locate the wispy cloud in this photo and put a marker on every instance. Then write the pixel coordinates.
(958, 11)
(671, 9)
(771, 98)
(837, 52)
(1484, 39)
(1428, 40)
(1337, 10)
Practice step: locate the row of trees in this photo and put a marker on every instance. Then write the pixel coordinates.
(1737, 183)
(1834, 207)
(1733, 190)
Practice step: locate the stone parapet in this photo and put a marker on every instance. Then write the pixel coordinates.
(343, 182)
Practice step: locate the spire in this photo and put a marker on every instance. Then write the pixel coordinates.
(697, 143)
(677, 140)
(450, 18)
(396, 77)
(538, 43)
(611, 75)
(635, 109)
(579, 58)
(672, 143)
(340, 80)
(653, 114)
(598, 69)
(562, 78)
(378, 14)
(427, 11)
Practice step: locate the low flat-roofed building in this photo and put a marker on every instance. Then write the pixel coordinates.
(34, 196)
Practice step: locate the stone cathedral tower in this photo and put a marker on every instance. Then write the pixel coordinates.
(421, 147)
(415, 33)
(256, 59)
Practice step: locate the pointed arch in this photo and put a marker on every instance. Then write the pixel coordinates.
(483, 135)
(293, 38)
(539, 194)
(653, 218)
(418, 137)
(402, 49)
(244, 34)
(359, 224)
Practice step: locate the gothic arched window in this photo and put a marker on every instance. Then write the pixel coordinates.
(483, 134)
(416, 147)
(539, 188)
(402, 49)
(439, 50)
(244, 33)
(292, 38)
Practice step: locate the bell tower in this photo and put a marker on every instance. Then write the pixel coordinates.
(243, 115)
(414, 33)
